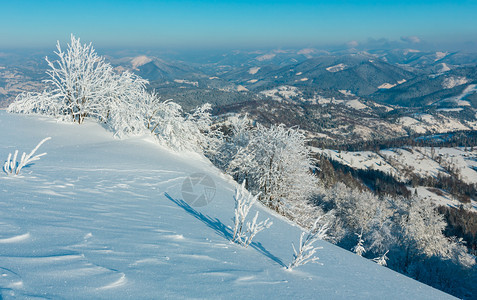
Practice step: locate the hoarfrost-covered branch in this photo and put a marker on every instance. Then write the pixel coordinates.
(306, 250)
(381, 260)
(243, 202)
(12, 167)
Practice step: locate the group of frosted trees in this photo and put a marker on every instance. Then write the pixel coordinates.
(81, 84)
(275, 162)
(405, 234)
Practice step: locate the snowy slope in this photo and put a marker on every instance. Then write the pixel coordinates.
(101, 218)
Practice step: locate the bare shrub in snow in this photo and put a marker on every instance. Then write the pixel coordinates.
(306, 250)
(244, 232)
(13, 167)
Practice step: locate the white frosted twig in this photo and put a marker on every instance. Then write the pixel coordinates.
(243, 203)
(253, 228)
(6, 166)
(306, 250)
(11, 167)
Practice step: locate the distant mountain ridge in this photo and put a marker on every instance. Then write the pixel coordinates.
(388, 85)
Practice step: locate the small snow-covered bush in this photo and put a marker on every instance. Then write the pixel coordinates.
(182, 131)
(243, 203)
(13, 167)
(359, 248)
(306, 250)
(382, 260)
(36, 103)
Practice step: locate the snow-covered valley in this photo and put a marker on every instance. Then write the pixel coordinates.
(99, 217)
(403, 163)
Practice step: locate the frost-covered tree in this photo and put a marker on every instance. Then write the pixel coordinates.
(151, 105)
(423, 229)
(123, 111)
(359, 248)
(86, 85)
(306, 248)
(81, 84)
(357, 210)
(244, 231)
(277, 163)
(43, 103)
(237, 133)
(411, 230)
(80, 79)
(423, 235)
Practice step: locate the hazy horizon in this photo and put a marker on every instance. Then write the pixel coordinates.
(240, 24)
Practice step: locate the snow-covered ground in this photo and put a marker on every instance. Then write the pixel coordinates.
(460, 100)
(451, 82)
(464, 159)
(386, 86)
(253, 70)
(440, 197)
(103, 218)
(438, 123)
(184, 81)
(140, 61)
(362, 160)
(356, 104)
(336, 68)
(418, 159)
(401, 162)
(284, 92)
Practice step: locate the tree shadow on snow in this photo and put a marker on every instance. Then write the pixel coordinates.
(220, 228)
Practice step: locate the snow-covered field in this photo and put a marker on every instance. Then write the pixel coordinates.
(460, 100)
(103, 218)
(253, 70)
(336, 68)
(284, 92)
(438, 123)
(400, 162)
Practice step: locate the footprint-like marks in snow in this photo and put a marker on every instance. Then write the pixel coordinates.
(10, 279)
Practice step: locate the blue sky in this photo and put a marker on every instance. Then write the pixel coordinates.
(235, 24)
